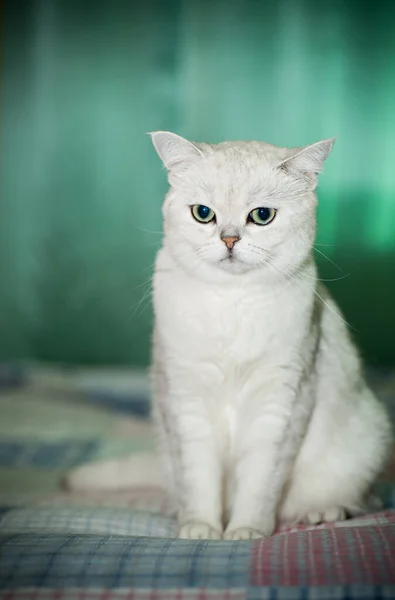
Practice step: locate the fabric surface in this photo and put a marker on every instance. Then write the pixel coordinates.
(57, 545)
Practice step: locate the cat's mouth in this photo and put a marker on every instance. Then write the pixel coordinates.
(230, 257)
(232, 262)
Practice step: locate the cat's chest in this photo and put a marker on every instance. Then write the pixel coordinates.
(238, 323)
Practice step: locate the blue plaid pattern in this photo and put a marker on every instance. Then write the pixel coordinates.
(31, 560)
(87, 520)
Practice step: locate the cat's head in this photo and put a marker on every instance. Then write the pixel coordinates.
(240, 206)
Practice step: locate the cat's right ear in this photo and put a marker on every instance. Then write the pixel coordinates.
(174, 150)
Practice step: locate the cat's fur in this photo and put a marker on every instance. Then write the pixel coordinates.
(262, 410)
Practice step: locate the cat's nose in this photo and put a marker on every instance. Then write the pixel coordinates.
(230, 241)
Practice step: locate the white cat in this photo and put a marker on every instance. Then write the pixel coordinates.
(262, 411)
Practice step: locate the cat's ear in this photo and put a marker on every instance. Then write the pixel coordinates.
(307, 162)
(174, 150)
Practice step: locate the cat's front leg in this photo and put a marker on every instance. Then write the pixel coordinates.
(265, 448)
(198, 472)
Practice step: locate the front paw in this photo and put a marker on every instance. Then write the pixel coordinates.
(264, 528)
(198, 531)
(242, 533)
(336, 513)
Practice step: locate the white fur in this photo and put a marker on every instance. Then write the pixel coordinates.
(262, 411)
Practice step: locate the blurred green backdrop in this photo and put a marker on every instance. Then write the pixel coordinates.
(82, 81)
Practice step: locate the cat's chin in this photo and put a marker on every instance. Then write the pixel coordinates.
(232, 264)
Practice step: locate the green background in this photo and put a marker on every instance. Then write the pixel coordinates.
(81, 187)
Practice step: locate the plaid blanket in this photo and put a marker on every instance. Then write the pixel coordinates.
(57, 545)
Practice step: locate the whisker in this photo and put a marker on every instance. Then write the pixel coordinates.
(146, 282)
(333, 311)
(325, 280)
(138, 305)
(202, 250)
(294, 280)
(149, 267)
(327, 258)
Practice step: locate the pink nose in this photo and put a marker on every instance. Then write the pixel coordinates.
(230, 241)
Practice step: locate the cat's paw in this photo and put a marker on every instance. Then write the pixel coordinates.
(198, 531)
(242, 533)
(329, 515)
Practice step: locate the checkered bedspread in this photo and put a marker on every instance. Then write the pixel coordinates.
(112, 546)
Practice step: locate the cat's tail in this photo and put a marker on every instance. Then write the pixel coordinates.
(136, 470)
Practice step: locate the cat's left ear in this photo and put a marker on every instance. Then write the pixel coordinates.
(307, 162)
(174, 150)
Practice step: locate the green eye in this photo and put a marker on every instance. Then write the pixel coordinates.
(262, 215)
(202, 213)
